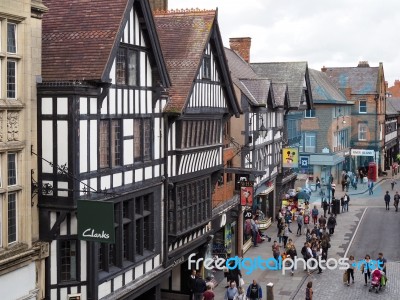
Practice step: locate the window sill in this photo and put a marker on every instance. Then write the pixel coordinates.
(13, 56)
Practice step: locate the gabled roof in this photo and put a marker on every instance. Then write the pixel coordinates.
(254, 87)
(323, 89)
(392, 106)
(292, 73)
(361, 80)
(184, 35)
(80, 37)
(256, 90)
(281, 94)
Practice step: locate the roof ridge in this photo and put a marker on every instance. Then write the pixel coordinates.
(184, 11)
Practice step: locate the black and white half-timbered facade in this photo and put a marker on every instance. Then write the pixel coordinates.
(259, 142)
(201, 101)
(101, 138)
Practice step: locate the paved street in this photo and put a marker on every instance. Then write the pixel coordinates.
(328, 285)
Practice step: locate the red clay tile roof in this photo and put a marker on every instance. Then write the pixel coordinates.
(78, 36)
(183, 36)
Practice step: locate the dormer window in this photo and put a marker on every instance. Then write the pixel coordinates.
(206, 67)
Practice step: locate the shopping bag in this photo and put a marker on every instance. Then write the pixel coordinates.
(345, 276)
(241, 281)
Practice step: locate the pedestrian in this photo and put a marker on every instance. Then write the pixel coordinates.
(234, 272)
(276, 250)
(254, 291)
(387, 200)
(396, 201)
(299, 223)
(382, 263)
(199, 287)
(314, 214)
(371, 187)
(392, 183)
(292, 253)
(366, 269)
(306, 220)
(231, 291)
(325, 206)
(325, 245)
(333, 189)
(346, 199)
(309, 291)
(241, 294)
(350, 270)
(317, 183)
(192, 282)
(254, 230)
(288, 219)
(281, 227)
(331, 224)
(208, 294)
(322, 225)
(285, 235)
(342, 204)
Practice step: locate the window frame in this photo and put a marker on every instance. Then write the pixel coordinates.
(127, 252)
(15, 38)
(60, 270)
(109, 141)
(309, 113)
(15, 154)
(122, 67)
(206, 67)
(12, 83)
(10, 218)
(190, 208)
(308, 136)
(359, 107)
(142, 145)
(359, 132)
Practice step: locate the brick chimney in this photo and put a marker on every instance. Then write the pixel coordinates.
(323, 69)
(363, 64)
(159, 4)
(241, 46)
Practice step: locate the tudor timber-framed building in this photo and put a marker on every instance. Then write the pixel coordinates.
(201, 101)
(100, 126)
(22, 256)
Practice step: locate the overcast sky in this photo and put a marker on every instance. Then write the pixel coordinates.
(331, 33)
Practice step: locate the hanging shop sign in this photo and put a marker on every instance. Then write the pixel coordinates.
(96, 221)
(248, 214)
(290, 157)
(246, 193)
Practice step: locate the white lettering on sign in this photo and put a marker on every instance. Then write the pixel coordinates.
(223, 220)
(362, 152)
(91, 233)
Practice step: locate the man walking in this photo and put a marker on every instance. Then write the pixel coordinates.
(325, 207)
(331, 224)
(387, 200)
(392, 183)
(396, 201)
(254, 291)
(299, 223)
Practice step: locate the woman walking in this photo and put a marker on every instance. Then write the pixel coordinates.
(350, 270)
(365, 269)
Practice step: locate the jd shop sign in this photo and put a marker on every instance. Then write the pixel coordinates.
(96, 221)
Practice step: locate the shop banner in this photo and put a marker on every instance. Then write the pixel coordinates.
(96, 221)
(246, 193)
(290, 158)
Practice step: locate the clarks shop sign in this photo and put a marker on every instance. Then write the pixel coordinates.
(96, 221)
